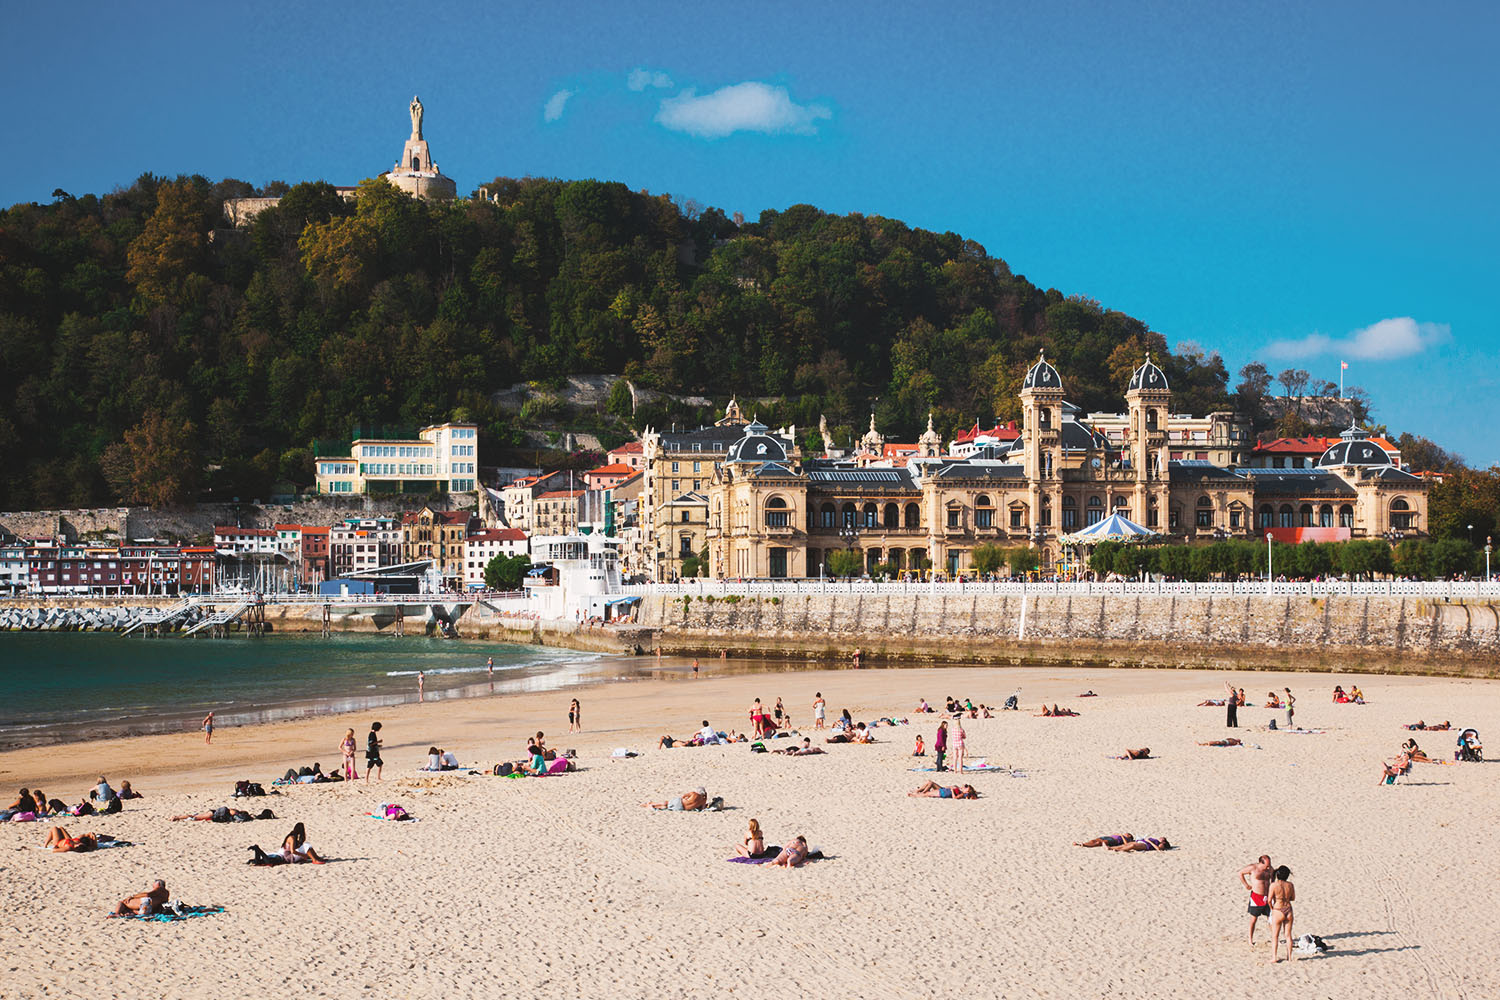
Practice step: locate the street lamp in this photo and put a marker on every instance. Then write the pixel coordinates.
(1268, 559)
(1489, 544)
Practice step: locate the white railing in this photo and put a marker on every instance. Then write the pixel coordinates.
(220, 618)
(155, 616)
(1450, 590)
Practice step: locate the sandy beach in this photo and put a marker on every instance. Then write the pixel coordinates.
(565, 887)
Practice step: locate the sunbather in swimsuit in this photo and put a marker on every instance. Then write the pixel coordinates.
(1108, 840)
(1145, 844)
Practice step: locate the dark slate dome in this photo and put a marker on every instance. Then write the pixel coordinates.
(1042, 376)
(1354, 448)
(757, 446)
(1148, 376)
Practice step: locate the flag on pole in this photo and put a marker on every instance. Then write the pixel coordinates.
(1344, 365)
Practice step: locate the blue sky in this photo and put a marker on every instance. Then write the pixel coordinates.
(1291, 182)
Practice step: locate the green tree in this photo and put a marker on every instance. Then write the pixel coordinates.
(1023, 560)
(506, 572)
(846, 562)
(986, 559)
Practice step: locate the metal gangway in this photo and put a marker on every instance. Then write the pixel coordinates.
(156, 617)
(221, 619)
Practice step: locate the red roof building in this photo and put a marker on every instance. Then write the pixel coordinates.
(1304, 452)
(630, 454)
(607, 476)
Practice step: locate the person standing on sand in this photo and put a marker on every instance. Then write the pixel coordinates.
(820, 708)
(373, 763)
(1256, 878)
(756, 715)
(1290, 701)
(958, 746)
(695, 666)
(421, 682)
(208, 728)
(1231, 707)
(348, 747)
(940, 745)
(1280, 898)
(575, 717)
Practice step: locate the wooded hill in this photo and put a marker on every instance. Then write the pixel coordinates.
(149, 355)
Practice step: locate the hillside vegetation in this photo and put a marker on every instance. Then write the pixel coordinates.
(148, 355)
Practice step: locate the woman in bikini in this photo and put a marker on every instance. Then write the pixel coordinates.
(754, 844)
(1145, 844)
(793, 855)
(1280, 899)
(348, 746)
(933, 790)
(1108, 840)
(60, 842)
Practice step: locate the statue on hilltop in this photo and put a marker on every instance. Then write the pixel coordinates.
(416, 118)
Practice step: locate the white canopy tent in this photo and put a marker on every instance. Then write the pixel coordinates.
(1115, 528)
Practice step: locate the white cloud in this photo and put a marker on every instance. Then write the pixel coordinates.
(747, 107)
(1399, 337)
(640, 79)
(553, 110)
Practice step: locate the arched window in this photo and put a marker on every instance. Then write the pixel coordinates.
(1046, 512)
(984, 514)
(1346, 516)
(848, 513)
(872, 517)
(1205, 513)
(1325, 516)
(1150, 420)
(1267, 516)
(827, 516)
(1096, 510)
(1402, 517)
(1288, 516)
(1044, 418)
(777, 515)
(892, 517)
(1069, 513)
(1307, 515)
(913, 516)
(1152, 518)
(1120, 502)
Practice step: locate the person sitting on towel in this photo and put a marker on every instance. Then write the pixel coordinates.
(143, 904)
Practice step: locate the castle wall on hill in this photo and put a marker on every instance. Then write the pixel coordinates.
(1344, 633)
(114, 524)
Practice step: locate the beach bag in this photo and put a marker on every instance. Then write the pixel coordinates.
(502, 770)
(758, 747)
(1271, 725)
(1311, 944)
(221, 815)
(113, 806)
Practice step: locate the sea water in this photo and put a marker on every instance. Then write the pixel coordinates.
(80, 685)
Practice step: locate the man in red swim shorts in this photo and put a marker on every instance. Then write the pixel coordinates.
(1256, 878)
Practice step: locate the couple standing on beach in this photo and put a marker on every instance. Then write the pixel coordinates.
(1271, 896)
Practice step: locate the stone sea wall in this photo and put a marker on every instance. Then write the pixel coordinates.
(1343, 633)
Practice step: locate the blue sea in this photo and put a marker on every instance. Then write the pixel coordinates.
(80, 685)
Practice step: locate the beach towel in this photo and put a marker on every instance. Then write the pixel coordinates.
(770, 853)
(1303, 732)
(175, 911)
(103, 844)
(623, 752)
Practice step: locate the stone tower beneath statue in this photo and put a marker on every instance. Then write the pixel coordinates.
(416, 173)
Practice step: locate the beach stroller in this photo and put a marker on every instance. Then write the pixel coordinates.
(1013, 703)
(1470, 749)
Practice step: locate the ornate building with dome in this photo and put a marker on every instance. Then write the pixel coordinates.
(769, 513)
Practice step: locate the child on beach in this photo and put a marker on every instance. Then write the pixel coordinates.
(373, 763)
(920, 751)
(348, 746)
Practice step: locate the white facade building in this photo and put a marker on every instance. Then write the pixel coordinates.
(441, 457)
(482, 546)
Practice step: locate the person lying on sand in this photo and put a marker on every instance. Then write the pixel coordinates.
(1054, 712)
(1108, 840)
(933, 790)
(1144, 753)
(1145, 844)
(1419, 724)
(1231, 742)
(805, 750)
(1211, 703)
(294, 850)
(61, 842)
(224, 814)
(686, 802)
(667, 743)
(1089, 694)
(793, 855)
(1416, 753)
(143, 903)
